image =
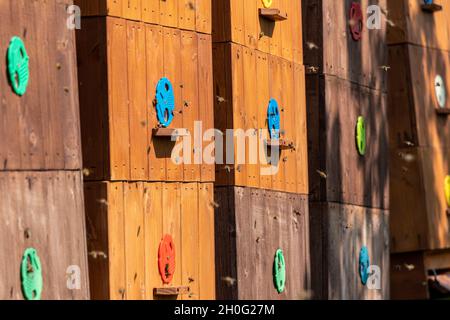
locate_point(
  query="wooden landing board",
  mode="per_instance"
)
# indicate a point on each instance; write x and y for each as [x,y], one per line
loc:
[241,104]
[117,99]
[43,210]
[337,172]
[253,225]
[338,233]
[41,128]
[130,227]
[193,15]
[241,22]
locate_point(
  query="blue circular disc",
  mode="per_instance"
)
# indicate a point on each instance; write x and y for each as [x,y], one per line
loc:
[273,119]
[165,102]
[364,263]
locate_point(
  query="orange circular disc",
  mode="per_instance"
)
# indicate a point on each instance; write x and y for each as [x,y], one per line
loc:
[166,259]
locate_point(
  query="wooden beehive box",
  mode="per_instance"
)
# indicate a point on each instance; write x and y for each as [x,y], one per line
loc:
[136,194]
[120,65]
[251,225]
[273,30]
[420,146]
[126,222]
[258,57]
[41,206]
[346,79]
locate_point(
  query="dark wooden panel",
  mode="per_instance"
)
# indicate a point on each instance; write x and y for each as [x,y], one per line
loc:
[326,33]
[41,127]
[338,173]
[408,276]
[93,83]
[338,234]
[43,210]
[261,221]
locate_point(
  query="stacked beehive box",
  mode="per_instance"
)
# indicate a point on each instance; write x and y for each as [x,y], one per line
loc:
[419,120]
[348,159]
[257,49]
[137,197]
[41,205]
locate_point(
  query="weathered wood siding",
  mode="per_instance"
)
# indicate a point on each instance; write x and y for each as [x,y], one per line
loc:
[126,223]
[41,203]
[349,193]
[251,224]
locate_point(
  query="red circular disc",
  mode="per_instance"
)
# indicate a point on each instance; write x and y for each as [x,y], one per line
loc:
[166,259]
[356,21]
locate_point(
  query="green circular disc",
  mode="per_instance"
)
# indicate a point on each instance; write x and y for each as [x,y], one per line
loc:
[279,271]
[31,275]
[18,66]
[361,136]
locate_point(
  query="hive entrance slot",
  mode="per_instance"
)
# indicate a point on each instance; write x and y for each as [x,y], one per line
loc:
[431,8]
[272,14]
[171,291]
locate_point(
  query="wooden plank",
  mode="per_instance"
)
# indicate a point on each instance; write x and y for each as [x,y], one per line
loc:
[150,11]
[223,108]
[153,219]
[172,225]
[239,111]
[275,40]
[225,244]
[172,67]
[203,18]
[206,253]
[155,58]
[186,14]
[93,80]
[190,257]
[132,9]
[287,36]
[262,101]
[276,92]
[95,197]
[168,13]
[245,254]
[118,100]
[206,101]
[190,103]
[134,240]
[137,88]
[296,27]
[250,118]
[250,27]
[12,255]
[300,136]
[117,245]
[69,107]
[237,22]
[264,30]
[289,126]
